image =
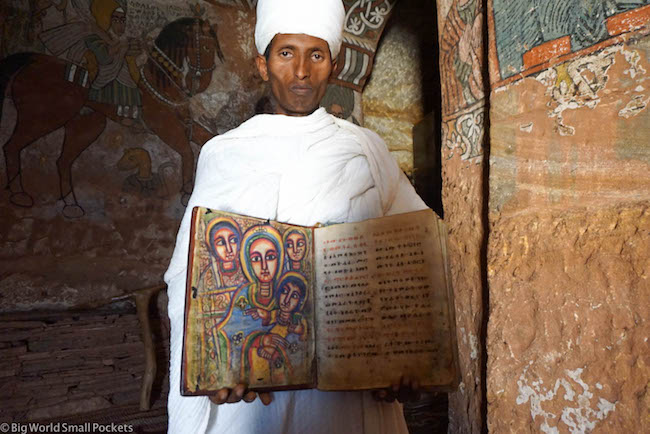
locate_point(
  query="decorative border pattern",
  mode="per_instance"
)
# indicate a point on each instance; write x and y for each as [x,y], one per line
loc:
[365,21]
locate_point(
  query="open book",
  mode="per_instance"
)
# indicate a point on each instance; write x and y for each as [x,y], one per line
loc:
[343,307]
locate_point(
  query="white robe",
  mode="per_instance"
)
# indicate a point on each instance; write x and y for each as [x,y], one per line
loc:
[299,170]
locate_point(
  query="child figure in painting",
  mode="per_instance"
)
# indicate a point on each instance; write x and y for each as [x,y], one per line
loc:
[273,355]
[295,243]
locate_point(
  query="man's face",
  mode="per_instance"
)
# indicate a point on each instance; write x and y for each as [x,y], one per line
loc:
[298,69]
[264,259]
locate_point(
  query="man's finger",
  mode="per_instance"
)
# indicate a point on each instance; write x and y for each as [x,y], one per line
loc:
[403,390]
[266,398]
[221,396]
[379,395]
[236,394]
[250,396]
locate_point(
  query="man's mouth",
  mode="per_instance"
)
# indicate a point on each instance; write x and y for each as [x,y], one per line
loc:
[301,89]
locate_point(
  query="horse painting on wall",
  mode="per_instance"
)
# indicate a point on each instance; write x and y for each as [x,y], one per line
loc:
[96,77]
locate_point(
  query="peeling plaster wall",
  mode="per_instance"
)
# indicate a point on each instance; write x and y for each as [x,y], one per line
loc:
[569,238]
[460,24]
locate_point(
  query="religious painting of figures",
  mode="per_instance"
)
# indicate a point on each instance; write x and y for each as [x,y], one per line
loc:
[249,312]
[342,307]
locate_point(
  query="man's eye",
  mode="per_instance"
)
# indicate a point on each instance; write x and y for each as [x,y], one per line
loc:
[284,54]
[317,56]
[271,256]
[256,258]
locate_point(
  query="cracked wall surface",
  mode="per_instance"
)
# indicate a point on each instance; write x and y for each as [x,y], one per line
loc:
[569,239]
[460,24]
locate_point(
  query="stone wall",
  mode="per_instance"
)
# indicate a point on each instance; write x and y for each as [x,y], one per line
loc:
[402,88]
[56,365]
[569,216]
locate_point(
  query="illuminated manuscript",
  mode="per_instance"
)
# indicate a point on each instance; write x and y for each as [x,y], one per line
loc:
[343,307]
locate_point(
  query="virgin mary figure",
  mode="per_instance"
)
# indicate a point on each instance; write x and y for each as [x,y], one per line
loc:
[262,259]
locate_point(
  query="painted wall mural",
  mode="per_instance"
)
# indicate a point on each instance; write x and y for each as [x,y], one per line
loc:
[364,23]
[569,193]
[104,106]
[461,79]
[531,33]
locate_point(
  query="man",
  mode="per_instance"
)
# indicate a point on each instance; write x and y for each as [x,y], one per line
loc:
[300,165]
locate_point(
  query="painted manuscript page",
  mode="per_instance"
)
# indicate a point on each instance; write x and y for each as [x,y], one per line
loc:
[383,304]
[249,304]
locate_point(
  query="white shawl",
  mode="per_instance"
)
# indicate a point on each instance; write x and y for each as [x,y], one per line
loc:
[299,170]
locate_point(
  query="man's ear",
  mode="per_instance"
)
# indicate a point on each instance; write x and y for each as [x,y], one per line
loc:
[333,68]
[262,67]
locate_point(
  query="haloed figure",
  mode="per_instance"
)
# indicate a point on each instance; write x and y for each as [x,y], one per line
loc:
[223,237]
[262,259]
[224,242]
[295,244]
[218,282]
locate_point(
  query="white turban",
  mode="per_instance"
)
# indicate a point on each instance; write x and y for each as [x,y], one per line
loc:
[320,18]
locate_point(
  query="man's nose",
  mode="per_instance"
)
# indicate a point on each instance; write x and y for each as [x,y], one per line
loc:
[265,265]
[303,68]
[228,248]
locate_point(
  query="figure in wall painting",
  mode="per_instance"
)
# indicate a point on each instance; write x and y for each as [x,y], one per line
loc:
[106,54]
[296,245]
[550,28]
[144,182]
[100,80]
[339,101]
[461,56]
[268,355]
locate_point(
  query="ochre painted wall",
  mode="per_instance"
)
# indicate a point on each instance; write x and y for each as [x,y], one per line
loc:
[569,214]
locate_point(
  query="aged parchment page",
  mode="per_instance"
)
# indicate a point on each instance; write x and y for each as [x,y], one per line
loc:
[383,304]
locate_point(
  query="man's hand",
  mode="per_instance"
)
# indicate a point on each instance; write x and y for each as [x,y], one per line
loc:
[405,390]
[239,392]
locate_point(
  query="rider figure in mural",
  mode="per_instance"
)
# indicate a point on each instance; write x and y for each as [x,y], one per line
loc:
[110,58]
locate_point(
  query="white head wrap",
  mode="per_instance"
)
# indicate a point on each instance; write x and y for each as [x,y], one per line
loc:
[320,18]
